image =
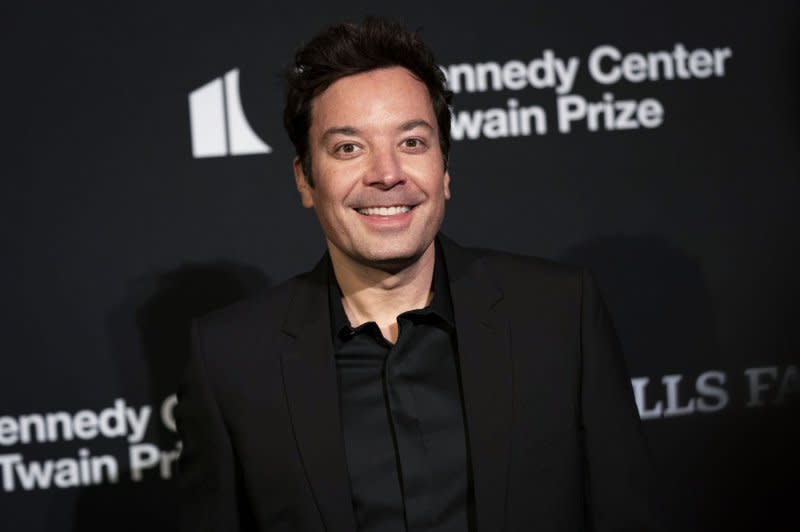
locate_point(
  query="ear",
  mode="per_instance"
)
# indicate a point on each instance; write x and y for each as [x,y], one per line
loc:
[447,185]
[301,182]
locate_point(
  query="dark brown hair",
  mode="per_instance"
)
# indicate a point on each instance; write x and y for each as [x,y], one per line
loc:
[346,49]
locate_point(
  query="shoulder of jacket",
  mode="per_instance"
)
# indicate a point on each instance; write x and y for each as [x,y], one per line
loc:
[264,309]
[520,268]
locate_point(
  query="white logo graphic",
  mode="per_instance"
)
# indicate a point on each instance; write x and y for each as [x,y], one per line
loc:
[219,127]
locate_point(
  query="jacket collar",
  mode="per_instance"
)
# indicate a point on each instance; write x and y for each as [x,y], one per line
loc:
[309,373]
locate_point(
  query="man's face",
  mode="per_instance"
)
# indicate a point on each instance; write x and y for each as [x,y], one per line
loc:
[379,180]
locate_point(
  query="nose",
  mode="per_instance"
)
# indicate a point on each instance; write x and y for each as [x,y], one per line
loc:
[385,170]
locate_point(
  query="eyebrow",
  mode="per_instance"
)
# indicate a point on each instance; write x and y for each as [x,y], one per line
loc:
[413,124]
[344,130]
[350,130]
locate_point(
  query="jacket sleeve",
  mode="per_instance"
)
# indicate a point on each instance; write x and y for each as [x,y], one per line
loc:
[618,468]
[206,468]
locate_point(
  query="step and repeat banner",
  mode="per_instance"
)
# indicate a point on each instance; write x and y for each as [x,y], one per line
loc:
[147,180]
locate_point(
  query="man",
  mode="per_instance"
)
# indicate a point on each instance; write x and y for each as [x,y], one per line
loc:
[405,383]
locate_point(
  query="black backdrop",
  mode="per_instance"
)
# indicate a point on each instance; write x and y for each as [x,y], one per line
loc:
[115,234]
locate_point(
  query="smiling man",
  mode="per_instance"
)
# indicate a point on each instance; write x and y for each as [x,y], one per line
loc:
[379,191]
[405,383]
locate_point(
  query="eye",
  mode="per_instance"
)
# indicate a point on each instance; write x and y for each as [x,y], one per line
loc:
[347,149]
[414,144]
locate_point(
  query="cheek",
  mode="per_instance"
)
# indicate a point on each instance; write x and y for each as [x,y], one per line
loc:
[335,182]
[426,174]
[330,206]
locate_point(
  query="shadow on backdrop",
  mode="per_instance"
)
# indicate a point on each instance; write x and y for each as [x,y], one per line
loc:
[730,470]
[150,335]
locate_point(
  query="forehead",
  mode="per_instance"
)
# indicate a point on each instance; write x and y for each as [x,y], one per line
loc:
[381,97]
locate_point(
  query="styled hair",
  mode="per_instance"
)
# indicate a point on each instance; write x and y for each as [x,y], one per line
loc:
[347,49]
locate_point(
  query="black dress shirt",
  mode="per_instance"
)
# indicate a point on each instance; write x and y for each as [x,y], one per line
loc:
[402,417]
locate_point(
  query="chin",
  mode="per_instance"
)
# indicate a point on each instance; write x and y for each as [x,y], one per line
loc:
[394,257]
[387,251]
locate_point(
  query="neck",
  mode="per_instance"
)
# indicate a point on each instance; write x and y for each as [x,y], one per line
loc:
[373,294]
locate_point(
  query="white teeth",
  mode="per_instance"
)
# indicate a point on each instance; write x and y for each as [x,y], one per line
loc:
[384,211]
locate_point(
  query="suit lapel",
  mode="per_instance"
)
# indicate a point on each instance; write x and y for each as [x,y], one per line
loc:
[309,374]
[486,378]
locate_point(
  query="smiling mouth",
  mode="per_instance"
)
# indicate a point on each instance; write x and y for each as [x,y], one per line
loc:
[384,211]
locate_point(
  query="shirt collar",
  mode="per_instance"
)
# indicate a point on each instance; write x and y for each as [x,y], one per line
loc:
[441,305]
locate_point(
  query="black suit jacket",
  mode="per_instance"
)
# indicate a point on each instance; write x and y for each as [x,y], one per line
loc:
[553,434]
